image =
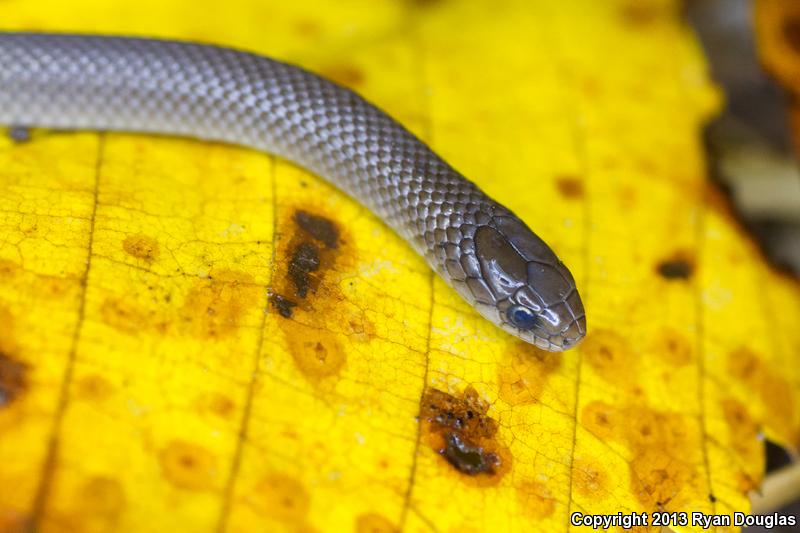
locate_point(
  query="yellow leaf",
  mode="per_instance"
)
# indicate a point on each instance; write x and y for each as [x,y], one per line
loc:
[149,380]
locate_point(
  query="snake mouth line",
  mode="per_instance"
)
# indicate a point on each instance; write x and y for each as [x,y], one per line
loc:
[569,337]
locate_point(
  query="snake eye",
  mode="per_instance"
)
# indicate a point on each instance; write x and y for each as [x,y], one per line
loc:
[521,317]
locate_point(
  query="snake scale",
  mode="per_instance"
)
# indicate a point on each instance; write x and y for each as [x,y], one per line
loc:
[482,249]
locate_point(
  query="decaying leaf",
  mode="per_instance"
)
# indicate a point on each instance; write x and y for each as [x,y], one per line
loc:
[196,336]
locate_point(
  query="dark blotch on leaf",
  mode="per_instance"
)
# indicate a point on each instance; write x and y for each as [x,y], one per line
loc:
[283,305]
[791,32]
[467,415]
[675,269]
[13,379]
[467,458]
[570,187]
[459,429]
[305,260]
[320,228]
[344,74]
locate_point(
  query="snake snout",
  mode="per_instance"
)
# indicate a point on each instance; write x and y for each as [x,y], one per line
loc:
[534,293]
[572,319]
[574,333]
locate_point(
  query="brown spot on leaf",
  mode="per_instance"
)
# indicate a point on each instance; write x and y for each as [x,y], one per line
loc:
[13,379]
[283,305]
[374,523]
[570,187]
[7,342]
[536,499]
[304,261]
[282,497]
[657,478]
[189,466]
[94,387]
[216,306]
[661,475]
[315,314]
[746,483]
[744,365]
[600,419]
[778,398]
[344,74]
[611,356]
[424,3]
[673,347]
[13,373]
[122,314]
[311,252]
[742,428]
[645,430]
[773,389]
[675,269]
[319,228]
[589,477]
[656,439]
[307,28]
[627,197]
[359,327]
[523,381]
[141,246]
[466,414]
[8,269]
[680,265]
[791,32]
[217,404]
[102,497]
[639,12]
[222,405]
[304,527]
[29,228]
[319,356]
[317,352]
[467,458]
[464,435]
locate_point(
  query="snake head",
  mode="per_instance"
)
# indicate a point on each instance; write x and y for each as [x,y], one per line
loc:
[524,288]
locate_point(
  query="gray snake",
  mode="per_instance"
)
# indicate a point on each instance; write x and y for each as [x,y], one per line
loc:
[484,251]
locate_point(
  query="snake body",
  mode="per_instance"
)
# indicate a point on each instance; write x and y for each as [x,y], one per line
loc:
[208,92]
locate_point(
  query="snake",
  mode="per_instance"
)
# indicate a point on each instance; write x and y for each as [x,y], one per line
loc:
[207,92]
